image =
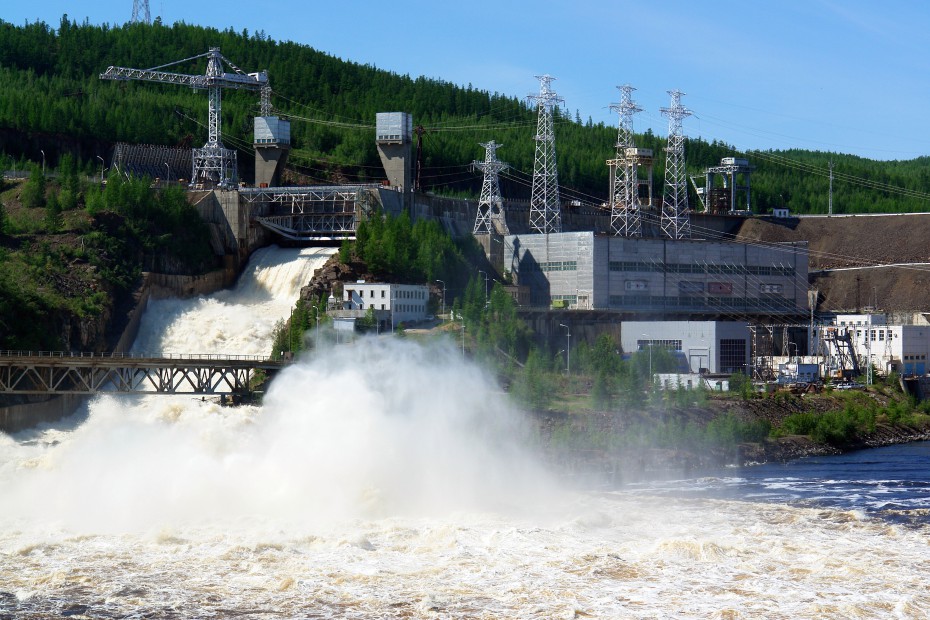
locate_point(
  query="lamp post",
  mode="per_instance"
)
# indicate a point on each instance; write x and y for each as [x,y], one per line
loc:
[43,163]
[568,349]
[443,297]
[485,286]
[650,356]
[168,168]
[461,318]
[102,164]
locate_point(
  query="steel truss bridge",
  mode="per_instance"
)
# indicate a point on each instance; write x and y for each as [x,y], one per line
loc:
[50,372]
[321,213]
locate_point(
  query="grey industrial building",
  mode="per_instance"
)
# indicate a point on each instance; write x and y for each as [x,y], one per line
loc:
[659,277]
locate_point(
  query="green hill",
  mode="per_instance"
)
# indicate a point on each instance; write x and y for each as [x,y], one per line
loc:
[53,101]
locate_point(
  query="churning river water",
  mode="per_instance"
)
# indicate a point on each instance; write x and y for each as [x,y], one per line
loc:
[387,479]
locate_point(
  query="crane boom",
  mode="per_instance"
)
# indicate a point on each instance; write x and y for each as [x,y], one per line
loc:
[253,81]
[213,162]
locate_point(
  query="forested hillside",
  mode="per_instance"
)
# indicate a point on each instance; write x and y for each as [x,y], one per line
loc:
[52,100]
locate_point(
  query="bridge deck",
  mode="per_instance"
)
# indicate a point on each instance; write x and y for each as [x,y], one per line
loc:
[51,372]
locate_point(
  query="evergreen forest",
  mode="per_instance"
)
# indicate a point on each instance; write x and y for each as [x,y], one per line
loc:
[53,103]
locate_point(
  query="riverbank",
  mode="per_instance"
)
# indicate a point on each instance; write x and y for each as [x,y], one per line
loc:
[726,430]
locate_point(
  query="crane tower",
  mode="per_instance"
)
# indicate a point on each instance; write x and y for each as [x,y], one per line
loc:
[213,164]
[676,221]
[490,205]
[545,210]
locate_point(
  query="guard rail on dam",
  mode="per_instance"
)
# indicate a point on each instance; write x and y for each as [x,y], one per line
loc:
[51,372]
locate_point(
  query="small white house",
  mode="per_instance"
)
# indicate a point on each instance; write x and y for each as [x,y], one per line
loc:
[393,303]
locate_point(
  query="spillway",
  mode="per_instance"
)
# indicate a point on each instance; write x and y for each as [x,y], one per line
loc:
[389,479]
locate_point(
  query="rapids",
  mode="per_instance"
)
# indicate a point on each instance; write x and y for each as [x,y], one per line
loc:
[387,479]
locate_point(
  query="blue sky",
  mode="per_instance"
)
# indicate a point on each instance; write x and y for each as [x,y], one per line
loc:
[848,76]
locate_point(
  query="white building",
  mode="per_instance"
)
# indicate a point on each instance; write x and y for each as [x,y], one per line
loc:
[890,348]
[714,346]
[691,381]
[393,303]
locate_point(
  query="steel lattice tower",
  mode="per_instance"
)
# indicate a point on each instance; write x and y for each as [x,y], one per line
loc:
[140,11]
[624,195]
[676,222]
[490,205]
[545,210]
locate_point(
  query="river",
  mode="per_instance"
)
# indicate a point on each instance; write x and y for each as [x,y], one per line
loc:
[387,479]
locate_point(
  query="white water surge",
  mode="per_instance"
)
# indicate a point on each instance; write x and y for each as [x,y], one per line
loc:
[391,480]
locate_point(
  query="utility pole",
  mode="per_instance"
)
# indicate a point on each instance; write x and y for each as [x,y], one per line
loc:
[443,297]
[830,203]
[486,295]
[140,11]
[625,219]
[461,318]
[568,349]
[545,208]
[490,205]
[676,222]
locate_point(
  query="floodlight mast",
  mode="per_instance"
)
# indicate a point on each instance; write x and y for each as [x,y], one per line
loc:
[214,163]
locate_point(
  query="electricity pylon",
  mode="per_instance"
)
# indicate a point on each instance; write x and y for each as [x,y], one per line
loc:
[625,219]
[676,221]
[545,210]
[490,205]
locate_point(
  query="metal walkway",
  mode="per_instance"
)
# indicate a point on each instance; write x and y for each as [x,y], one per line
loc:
[319,213]
[50,372]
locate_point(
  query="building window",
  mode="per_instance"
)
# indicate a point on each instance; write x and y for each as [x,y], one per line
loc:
[382,293]
[669,345]
[733,355]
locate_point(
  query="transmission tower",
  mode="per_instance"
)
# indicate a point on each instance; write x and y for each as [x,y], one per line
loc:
[676,222]
[140,11]
[490,205]
[545,210]
[625,220]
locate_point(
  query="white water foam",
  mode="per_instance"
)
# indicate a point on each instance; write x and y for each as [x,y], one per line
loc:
[239,321]
[388,479]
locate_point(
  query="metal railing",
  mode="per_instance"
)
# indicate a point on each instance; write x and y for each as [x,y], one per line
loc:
[220,357]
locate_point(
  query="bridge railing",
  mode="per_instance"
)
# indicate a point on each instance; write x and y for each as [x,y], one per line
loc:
[139,356]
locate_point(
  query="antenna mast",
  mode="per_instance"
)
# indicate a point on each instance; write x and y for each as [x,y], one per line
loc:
[676,222]
[625,220]
[545,210]
[490,205]
[140,11]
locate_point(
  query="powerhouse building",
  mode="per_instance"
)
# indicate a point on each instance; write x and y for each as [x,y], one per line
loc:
[660,277]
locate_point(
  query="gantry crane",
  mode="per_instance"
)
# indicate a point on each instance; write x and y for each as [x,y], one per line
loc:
[213,164]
